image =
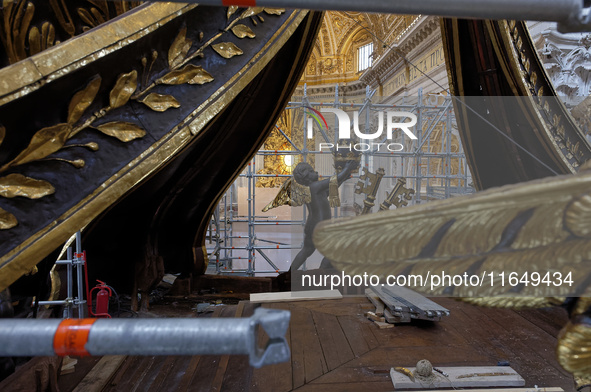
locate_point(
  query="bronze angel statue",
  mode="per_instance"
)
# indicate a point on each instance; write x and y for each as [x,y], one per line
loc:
[318,195]
[538,234]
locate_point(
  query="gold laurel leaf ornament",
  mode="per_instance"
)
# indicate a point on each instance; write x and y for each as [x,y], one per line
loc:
[231,10]
[179,49]
[82,100]
[123,90]
[192,74]
[251,11]
[274,11]
[227,49]
[45,142]
[7,220]
[14,185]
[243,31]
[160,102]
[123,131]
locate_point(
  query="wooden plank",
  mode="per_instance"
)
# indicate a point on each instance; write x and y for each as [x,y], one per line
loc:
[308,361]
[551,320]
[236,284]
[528,348]
[167,365]
[140,381]
[360,338]
[240,376]
[209,365]
[132,373]
[346,387]
[393,319]
[382,325]
[100,374]
[374,317]
[334,344]
[189,374]
[376,301]
[275,378]
[216,385]
[539,389]
[120,373]
[291,296]
[461,377]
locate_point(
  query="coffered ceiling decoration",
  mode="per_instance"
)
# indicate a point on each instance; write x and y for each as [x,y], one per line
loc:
[334,58]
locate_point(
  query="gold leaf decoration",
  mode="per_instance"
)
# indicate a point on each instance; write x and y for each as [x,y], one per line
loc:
[274,11]
[86,17]
[227,49]
[190,73]
[45,142]
[34,41]
[7,220]
[123,131]
[574,349]
[14,185]
[63,16]
[21,35]
[533,78]
[77,163]
[179,49]
[231,10]
[82,100]
[251,11]
[39,41]
[160,102]
[578,216]
[2,133]
[242,31]
[123,90]
[515,302]
[201,78]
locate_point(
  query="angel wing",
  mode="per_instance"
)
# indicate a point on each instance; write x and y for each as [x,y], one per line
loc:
[291,193]
[541,226]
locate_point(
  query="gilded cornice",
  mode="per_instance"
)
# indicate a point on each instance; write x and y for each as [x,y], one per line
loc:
[34,72]
[385,65]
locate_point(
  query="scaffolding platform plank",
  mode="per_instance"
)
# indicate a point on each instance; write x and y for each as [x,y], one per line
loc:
[461,377]
[405,304]
[290,296]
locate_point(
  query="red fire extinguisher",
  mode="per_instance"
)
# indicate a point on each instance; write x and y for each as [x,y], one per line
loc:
[102,300]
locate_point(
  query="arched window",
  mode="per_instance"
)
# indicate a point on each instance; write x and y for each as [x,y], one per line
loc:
[364,56]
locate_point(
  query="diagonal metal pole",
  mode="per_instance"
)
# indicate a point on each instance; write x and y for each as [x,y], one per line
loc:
[165,336]
[571,15]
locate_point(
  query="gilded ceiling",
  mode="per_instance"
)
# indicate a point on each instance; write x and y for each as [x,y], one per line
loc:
[334,57]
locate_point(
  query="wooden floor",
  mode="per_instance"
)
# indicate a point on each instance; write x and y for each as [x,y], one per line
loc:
[334,348]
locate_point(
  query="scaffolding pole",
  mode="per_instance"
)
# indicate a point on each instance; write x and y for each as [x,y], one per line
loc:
[427,165]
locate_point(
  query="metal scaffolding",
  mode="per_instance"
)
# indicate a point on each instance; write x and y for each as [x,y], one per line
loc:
[434,165]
